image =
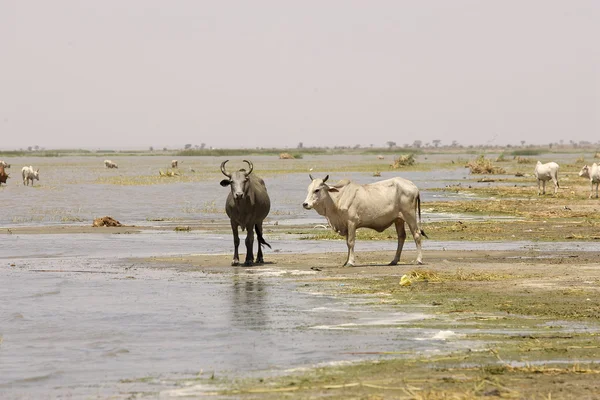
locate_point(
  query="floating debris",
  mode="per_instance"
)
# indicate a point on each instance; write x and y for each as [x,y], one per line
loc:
[106,221]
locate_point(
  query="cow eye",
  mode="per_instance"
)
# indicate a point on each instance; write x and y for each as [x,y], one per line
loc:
[317,190]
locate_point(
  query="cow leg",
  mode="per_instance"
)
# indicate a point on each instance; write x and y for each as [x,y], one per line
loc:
[401,231]
[236,244]
[543,187]
[539,191]
[350,239]
[555,181]
[249,243]
[411,220]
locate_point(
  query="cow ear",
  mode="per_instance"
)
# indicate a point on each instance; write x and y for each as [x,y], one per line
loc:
[332,189]
[225,182]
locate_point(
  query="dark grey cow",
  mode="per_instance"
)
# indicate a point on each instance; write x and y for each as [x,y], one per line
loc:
[247,205]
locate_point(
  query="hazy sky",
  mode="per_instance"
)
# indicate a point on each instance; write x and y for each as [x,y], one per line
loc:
[140,73]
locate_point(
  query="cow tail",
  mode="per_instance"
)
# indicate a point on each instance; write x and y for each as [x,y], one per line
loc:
[261,240]
[419,209]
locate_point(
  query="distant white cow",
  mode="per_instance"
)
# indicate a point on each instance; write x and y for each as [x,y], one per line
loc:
[174,163]
[545,172]
[593,173]
[29,174]
[4,164]
[349,206]
[110,164]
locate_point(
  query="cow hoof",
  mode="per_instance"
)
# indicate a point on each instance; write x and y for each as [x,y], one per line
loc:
[419,262]
[248,264]
[235,263]
[260,261]
[393,263]
[348,265]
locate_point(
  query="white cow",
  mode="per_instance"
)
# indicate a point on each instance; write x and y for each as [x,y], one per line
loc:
[349,206]
[110,164]
[29,174]
[174,163]
[545,172]
[593,173]
[4,164]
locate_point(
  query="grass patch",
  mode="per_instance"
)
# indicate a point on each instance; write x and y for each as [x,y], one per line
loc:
[483,165]
[527,152]
[403,160]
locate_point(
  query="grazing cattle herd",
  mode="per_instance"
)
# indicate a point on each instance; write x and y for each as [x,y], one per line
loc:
[346,205]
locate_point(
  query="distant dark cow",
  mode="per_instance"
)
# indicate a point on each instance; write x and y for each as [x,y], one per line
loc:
[3,175]
[247,205]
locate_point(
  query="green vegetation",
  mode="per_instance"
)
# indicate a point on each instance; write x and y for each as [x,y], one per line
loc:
[527,152]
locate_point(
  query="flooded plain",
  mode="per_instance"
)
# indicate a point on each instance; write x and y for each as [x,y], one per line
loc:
[82,317]
[75,190]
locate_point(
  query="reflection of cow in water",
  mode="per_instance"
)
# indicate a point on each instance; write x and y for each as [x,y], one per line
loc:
[249,305]
[247,205]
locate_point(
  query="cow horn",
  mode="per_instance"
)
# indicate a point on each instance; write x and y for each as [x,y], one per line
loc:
[223,169]
[325,180]
[249,166]
[311,177]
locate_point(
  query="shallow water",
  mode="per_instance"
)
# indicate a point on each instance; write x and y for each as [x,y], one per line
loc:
[74,190]
[91,327]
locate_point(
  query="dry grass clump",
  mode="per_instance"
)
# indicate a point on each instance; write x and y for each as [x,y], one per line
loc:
[424,275]
[523,160]
[403,160]
[286,156]
[597,155]
[580,160]
[501,158]
[484,165]
[168,173]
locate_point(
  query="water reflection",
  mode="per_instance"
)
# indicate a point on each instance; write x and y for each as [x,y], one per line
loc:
[249,305]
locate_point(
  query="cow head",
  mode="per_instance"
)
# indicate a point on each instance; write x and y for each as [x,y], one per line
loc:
[36,174]
[237,180]
[585,172]
[317,191]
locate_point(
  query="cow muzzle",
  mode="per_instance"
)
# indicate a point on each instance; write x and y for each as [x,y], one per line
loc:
[306,206]
[238,195]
